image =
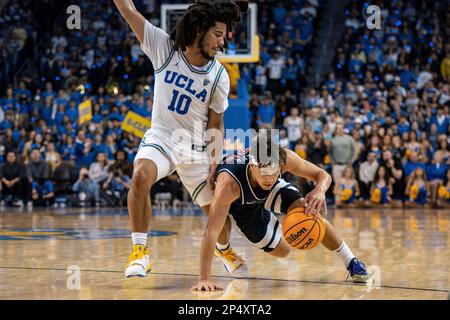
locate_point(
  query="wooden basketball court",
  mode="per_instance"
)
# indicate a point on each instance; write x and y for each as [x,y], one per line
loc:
[81,254]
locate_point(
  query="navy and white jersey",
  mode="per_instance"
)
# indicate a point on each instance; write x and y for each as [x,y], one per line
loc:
[253,212]
[238,166]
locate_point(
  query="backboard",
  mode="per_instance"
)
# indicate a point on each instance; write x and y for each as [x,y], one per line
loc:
[244,45]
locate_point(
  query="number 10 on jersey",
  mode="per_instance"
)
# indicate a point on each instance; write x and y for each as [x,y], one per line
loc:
[180,103]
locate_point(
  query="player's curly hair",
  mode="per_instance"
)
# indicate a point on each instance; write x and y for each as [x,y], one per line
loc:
[202,16]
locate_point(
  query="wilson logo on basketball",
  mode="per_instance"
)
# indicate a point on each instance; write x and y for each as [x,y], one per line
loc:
[294,236]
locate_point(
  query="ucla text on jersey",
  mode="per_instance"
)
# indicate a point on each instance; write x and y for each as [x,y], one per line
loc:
[184,82]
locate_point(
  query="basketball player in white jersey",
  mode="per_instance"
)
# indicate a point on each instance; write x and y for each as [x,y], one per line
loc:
[191,91]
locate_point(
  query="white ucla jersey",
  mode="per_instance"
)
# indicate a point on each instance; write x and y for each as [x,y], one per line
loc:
[183,93]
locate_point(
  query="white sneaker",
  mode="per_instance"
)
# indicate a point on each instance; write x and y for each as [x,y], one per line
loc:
[232,262]
[138,262]
[30,205]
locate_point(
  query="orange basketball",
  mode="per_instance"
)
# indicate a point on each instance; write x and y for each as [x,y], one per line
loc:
[302,231]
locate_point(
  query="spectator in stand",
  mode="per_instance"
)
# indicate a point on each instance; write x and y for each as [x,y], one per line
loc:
[346,189]
[394,170]
[61,176]
[302,146]
[444,192]
[294,125]
[367,171]
[417,189]
[37,168]
[441,120]
[14,181]
[275,67]
[413,163]
[87,190]
[121,164]
[283,138]
[316,149]
[311,99]
[436,172]
[342,152]
[266,114]
[412,145]
[51,156]
[381,188]
[326,101]
[85,153]
[260,78]
[290,75]
[445,67]
[374,147]
[43,193]
[98,171]
[68,149]
[110,146]
[444,148]
[115,188]
[313,120]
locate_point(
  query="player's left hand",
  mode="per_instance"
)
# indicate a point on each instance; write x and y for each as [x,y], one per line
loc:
[206,285]
[316,203]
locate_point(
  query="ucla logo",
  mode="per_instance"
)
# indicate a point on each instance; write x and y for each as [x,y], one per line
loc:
[71,234]
[184,82]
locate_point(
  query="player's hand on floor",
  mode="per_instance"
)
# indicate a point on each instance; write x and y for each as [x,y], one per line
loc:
[206,286]
[316,203]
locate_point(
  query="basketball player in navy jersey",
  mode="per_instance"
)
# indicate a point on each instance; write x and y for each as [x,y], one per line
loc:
[249,190]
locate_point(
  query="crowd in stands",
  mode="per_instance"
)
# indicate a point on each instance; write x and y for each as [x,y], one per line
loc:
[379,123]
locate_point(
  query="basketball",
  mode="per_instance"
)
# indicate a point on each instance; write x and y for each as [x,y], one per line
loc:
[302,231]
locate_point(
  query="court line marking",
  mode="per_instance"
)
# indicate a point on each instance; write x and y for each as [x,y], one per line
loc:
[244,278]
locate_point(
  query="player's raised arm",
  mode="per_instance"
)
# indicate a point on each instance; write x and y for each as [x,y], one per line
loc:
[227,191]
[316,199]
[155,42]
[134,19]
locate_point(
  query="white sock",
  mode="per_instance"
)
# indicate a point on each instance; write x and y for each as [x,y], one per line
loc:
[344,253]
[222,247]
[139,238]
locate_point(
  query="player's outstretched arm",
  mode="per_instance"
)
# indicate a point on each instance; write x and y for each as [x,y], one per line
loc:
[134,19]
[227,191]
[315,200]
